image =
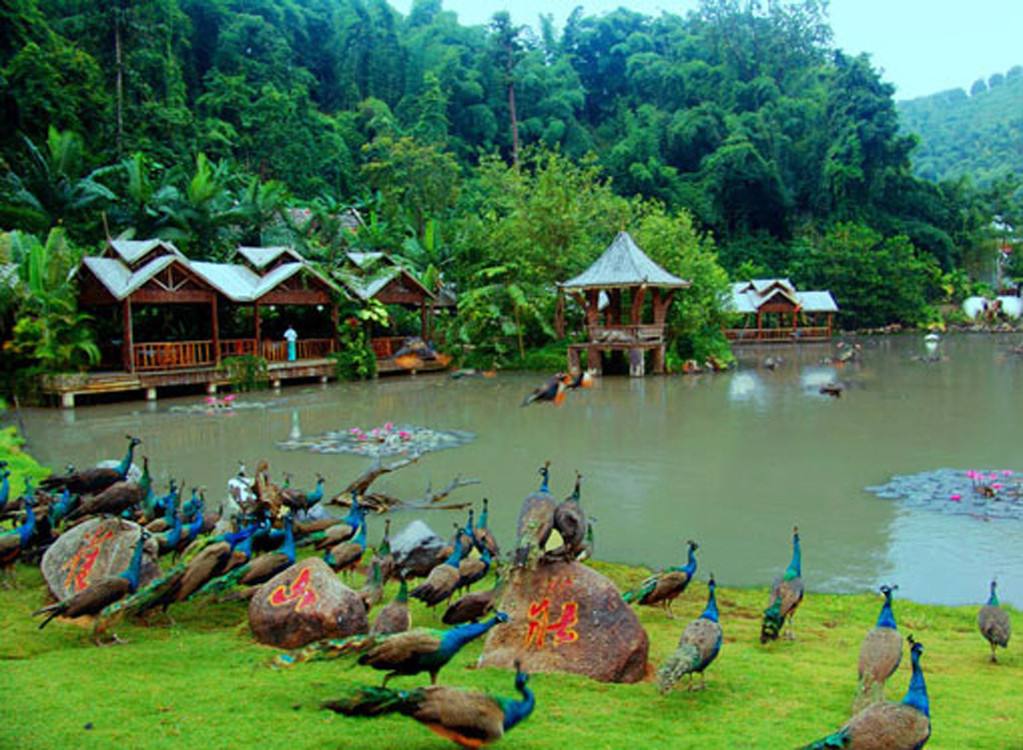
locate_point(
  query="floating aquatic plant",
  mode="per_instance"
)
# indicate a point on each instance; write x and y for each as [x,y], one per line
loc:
[386,440]
[970,492]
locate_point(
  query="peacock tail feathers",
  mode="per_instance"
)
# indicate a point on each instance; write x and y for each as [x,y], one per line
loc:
[376,701]
[326,649]
[773,621]
[839,739]
[684,661]
[644,589]
[222,584]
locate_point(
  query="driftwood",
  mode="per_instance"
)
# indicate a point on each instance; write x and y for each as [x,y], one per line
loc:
[381,502]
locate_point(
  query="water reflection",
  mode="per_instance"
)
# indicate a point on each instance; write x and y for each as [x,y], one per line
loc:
[664,458]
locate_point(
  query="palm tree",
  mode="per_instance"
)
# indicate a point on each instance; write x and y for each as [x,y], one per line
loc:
[55,187]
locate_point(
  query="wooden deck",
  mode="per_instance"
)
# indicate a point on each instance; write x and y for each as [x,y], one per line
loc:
[777,335]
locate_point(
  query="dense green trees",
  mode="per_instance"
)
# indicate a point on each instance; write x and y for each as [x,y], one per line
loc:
[495,158]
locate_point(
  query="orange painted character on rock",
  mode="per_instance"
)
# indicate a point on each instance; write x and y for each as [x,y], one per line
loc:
[561,631]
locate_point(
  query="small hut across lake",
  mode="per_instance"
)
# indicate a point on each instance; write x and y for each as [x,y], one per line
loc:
[774,310]
[613,293]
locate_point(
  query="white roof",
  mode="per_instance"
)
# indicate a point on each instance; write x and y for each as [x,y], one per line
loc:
[365,259]
[263,256]
[237,282]
[623,264]
[132,250]
[750,296]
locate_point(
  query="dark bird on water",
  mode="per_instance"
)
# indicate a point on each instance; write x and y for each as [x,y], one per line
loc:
[470,719]
[994,623]
[786,595]
[552,391]
[888,725]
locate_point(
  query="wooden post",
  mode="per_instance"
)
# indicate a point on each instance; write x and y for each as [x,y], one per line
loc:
[637,366]
[614,310]
[636,312]
[215,319]
[658,360]
[829,325]
[559,314]
[128,345]
[422,321]
[795,322]
[759,328]
[257,325]
[593,360]
[335,322]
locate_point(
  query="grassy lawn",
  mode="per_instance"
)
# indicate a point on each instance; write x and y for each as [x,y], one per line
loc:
[202,682]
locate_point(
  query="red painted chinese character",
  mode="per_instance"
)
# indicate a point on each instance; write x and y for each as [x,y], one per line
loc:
[299,591]
[79,565]
[540,625]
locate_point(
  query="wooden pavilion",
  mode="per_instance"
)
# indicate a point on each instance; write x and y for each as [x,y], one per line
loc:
[378,277]
[774,310]
[128,274]
[613,293]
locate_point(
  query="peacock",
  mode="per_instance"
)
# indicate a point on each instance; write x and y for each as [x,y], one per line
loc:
[169,506]
[470,719]
[552,390]
[786,594]
[115,498]
[347,555]
[96,479]
[887,725]
[536,520]
[339,531]
[472,570]
[5,485]
[482,535]
[880,654]
[14,541]
[395,616]
[473,607]
[409,653]
[697,648]
[167,540]
[95,597]
[372,592]
[994,623]
[443,579]
[257,570]
[191,532]
[60,507]
[570,522]
[298,500]
[383,555]
[665,587]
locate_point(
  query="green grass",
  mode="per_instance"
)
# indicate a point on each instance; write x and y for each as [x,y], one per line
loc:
[21,465]
[202,682]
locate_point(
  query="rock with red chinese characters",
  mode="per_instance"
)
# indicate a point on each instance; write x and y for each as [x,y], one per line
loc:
[93,550]
[566,617]
[305,603]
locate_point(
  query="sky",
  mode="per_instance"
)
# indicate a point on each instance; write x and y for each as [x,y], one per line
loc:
[922,46]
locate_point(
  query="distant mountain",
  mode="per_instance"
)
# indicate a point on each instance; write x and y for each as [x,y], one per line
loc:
[979,134]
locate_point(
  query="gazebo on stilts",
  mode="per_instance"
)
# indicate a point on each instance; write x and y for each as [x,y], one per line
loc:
[613,293]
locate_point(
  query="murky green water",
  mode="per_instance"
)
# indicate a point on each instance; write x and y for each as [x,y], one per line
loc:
[731,460]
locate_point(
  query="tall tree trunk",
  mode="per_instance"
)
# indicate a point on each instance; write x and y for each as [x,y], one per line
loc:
[514,121]
[120,79]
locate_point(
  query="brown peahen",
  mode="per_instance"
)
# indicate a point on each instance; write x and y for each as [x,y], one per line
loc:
[395,616]
[470,719]
[698,646]
[443,579]
[475,606]
[994,623]
[887,725]
[536,520]
[570,522]
[482,535]
[116,498]
[880,654]
[786,595]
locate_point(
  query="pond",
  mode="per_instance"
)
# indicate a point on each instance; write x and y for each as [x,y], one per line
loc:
[731,460]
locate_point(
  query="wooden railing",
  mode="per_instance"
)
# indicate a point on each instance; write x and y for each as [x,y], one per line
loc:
[648,333]
[277,351]
[777,334]
[170,355]
[237,347]
[385,346]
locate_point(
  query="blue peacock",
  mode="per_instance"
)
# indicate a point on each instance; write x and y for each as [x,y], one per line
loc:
[786,595]
[697,648]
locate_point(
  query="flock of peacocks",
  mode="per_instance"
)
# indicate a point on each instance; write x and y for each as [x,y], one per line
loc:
[228,558]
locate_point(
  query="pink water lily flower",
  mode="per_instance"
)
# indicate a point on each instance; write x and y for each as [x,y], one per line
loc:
[388,426]
[956,497]
[996,486]
[1006,473]
[404,435]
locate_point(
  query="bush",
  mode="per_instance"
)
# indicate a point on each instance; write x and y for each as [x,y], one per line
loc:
[551,358]
[247,372]
[356,359]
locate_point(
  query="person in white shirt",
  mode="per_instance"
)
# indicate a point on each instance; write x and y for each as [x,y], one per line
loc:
[291,337]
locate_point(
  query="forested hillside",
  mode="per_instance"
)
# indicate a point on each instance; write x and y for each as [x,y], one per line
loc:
[493,158]
[979,135]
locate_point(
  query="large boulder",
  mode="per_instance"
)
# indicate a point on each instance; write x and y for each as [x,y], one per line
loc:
[416,550]
[566,617]
[93,550]
[305,603]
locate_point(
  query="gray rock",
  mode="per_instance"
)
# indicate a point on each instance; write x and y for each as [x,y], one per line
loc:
[416,549]
[93,550]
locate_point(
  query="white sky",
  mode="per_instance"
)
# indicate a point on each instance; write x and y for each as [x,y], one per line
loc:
[923,46]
